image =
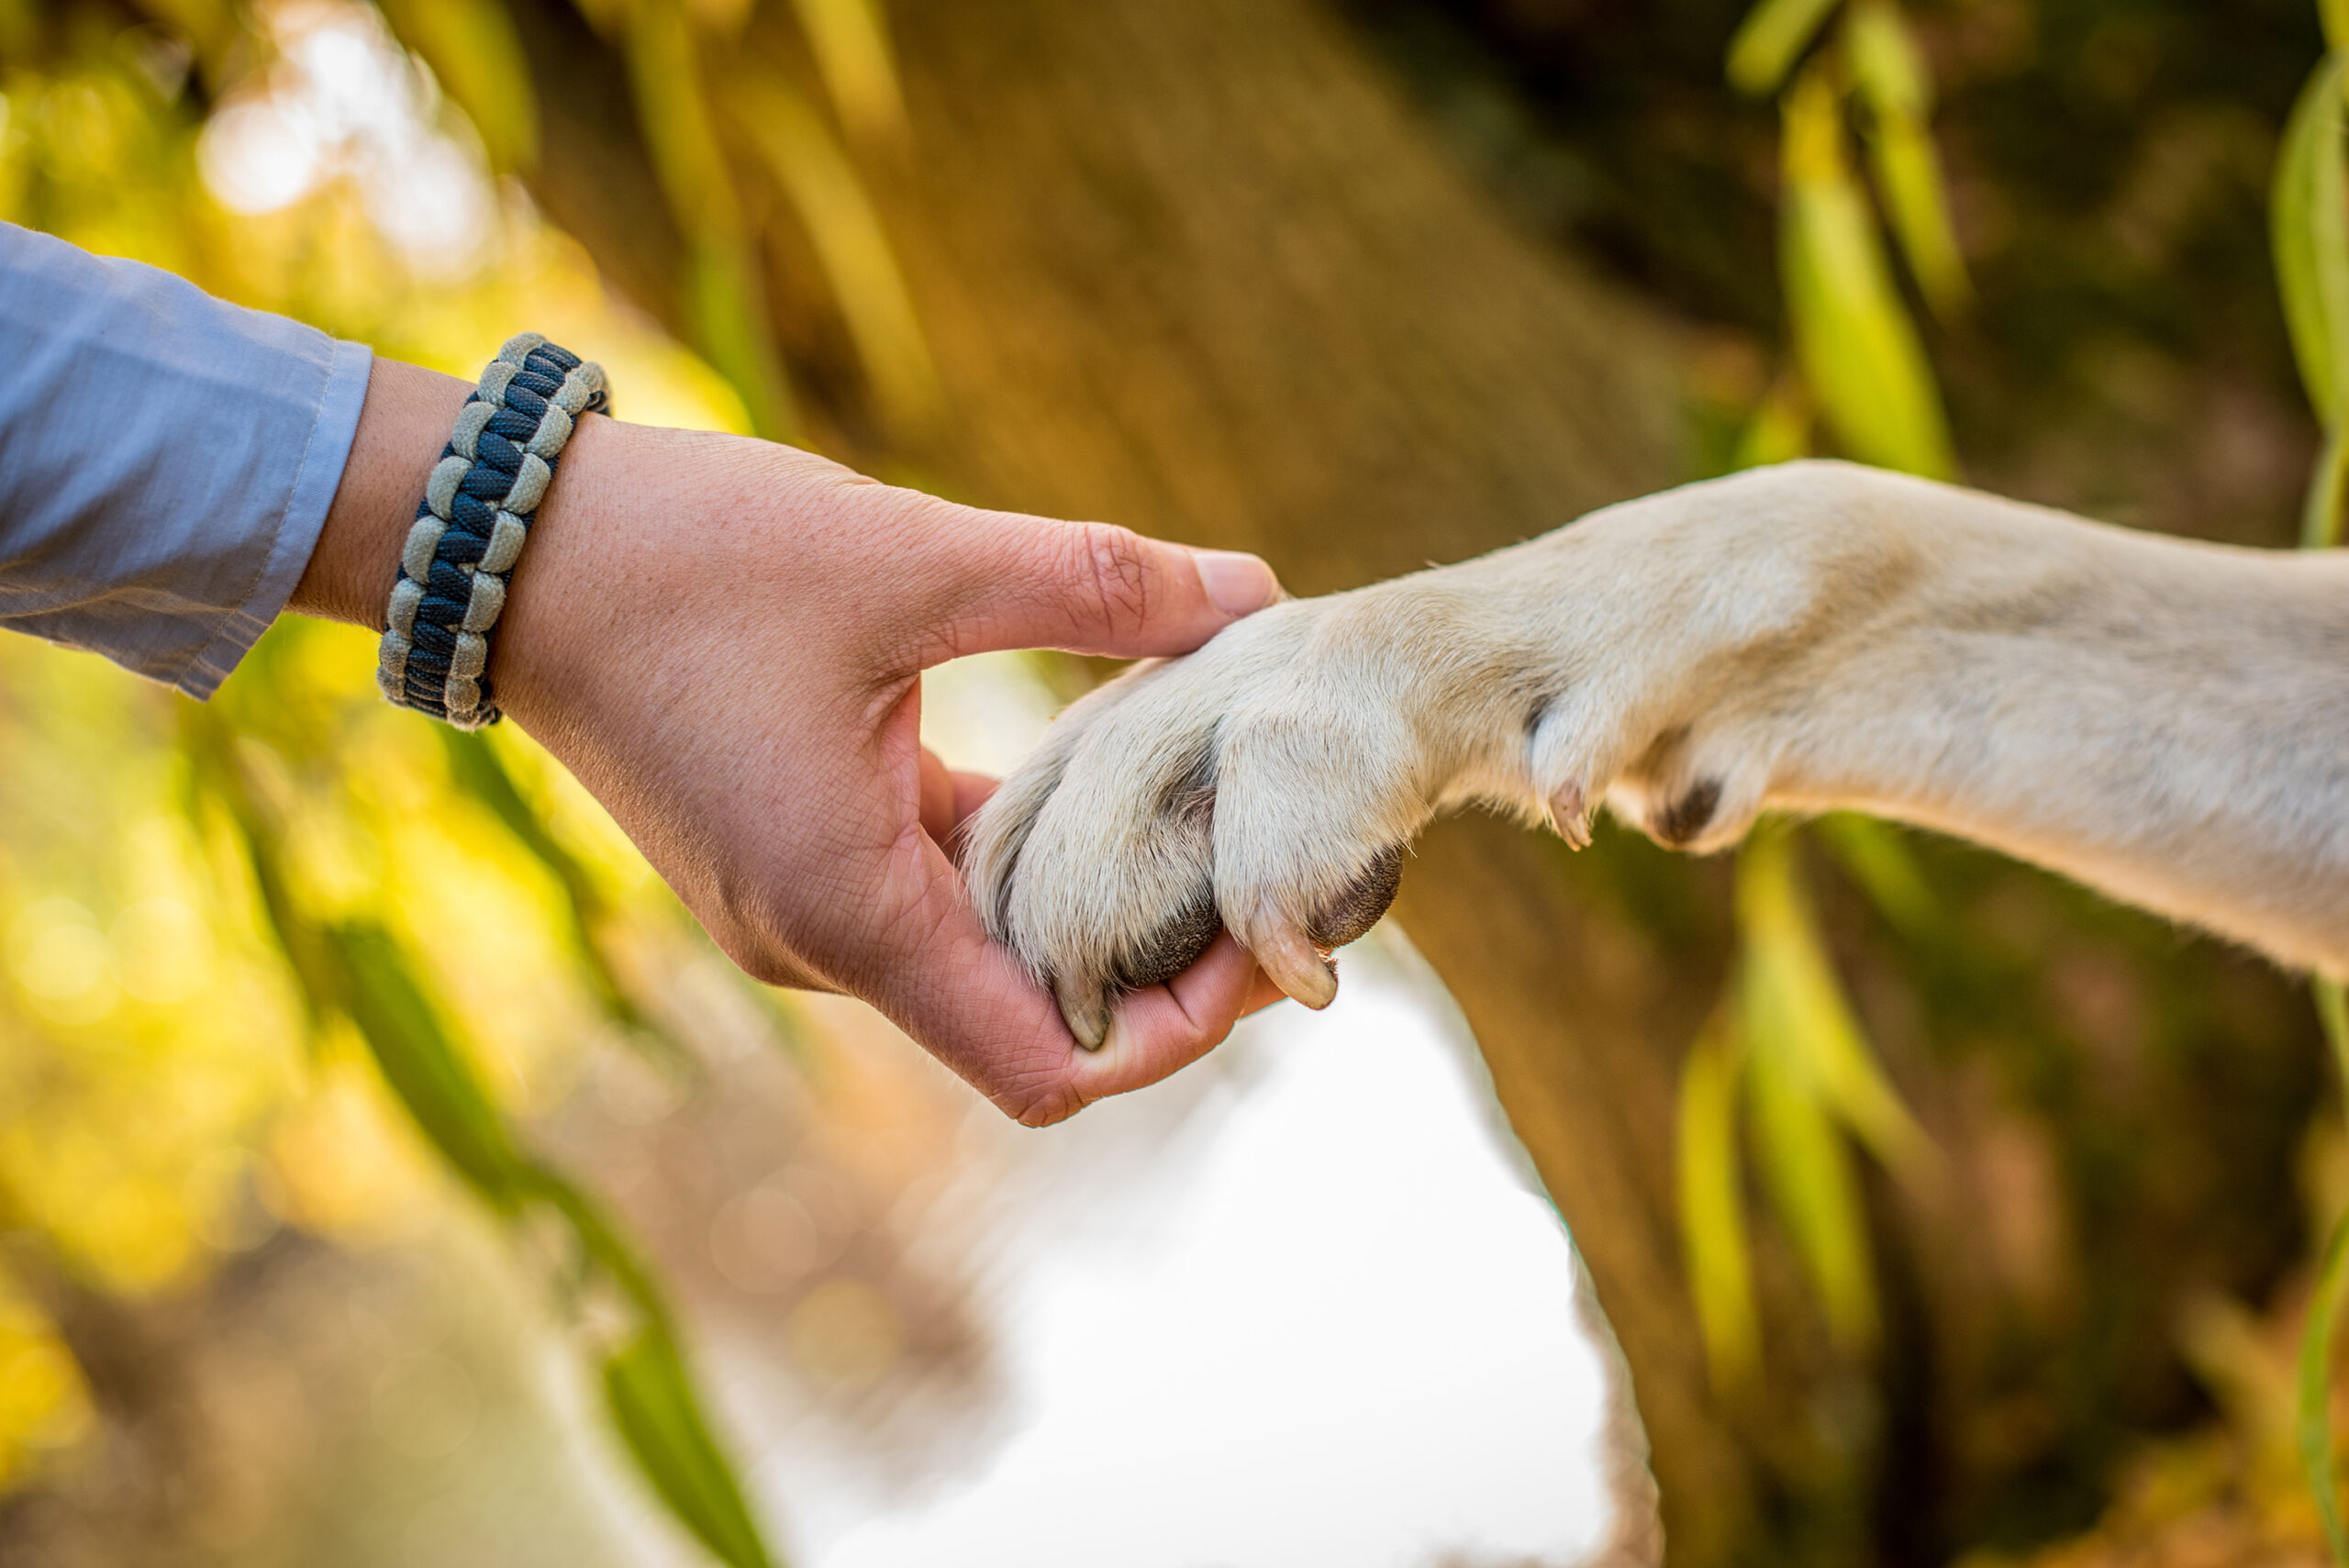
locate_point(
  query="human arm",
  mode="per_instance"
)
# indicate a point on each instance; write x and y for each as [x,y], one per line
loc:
[723,639]
[169,459]
[704,626]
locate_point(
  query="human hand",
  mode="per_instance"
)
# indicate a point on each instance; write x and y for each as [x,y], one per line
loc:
[723,639]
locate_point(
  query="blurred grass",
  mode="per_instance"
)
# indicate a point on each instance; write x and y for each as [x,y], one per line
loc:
[2310,229]
[1788,1037]
[1857,347]
[212,914]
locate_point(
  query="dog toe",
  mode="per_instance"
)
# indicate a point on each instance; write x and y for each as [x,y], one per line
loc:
[1354,911]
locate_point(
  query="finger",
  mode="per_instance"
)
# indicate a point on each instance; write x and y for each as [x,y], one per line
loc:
[936,808]
[913,946]
[927,962]
[1262,994]
[1021,582]
[1161,1029]
[971,792]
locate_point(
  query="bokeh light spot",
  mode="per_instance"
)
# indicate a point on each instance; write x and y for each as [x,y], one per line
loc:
[844,1332]
[161,950]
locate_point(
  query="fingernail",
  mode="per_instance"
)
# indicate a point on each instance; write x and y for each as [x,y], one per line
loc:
[1239,584]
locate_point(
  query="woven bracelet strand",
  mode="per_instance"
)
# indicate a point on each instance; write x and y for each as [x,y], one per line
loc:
[471,524]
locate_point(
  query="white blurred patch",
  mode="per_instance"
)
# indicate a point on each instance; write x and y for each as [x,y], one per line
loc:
[260,154]
[985,713]
[1347,1335]
[343,101]
[1303,1306]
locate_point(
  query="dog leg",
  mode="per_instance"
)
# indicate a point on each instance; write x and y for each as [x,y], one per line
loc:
[2166,720]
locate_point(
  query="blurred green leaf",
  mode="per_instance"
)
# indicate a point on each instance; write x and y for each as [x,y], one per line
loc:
[1876,856]
[1811,1077]
[476,769]
[1806,1169]
[1884,61]
[652,1403]
[727,301]
[2333,1012]
[2309,231]
[2328,496]
[206,743]
[471,48]
[851,42]
[1792,995]
[2315,1402]
[2334,14]
[1859,349]
[1893,82]
[665,78]
[600,1242]
[422,1064]
[1712,1206]
[725,297]
[1770,39]
[649,1390]
[850,244]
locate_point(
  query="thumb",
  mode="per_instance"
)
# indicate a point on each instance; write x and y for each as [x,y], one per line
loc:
[1022,581]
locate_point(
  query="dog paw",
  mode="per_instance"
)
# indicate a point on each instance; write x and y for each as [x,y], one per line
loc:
[1269,783]
[1232,789]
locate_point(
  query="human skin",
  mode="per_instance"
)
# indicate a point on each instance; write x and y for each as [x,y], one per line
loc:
[723,639]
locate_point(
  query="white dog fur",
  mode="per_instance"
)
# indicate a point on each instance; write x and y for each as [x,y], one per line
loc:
[2166,720]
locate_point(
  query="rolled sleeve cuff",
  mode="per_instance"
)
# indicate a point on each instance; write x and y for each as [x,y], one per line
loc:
[317,477]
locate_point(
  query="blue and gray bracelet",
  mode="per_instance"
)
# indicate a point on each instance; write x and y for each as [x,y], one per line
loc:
[471,524]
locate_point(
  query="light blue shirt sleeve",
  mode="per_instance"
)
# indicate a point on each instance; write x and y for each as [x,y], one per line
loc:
[166,459]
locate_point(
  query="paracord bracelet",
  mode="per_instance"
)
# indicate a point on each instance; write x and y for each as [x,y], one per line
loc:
[471,524]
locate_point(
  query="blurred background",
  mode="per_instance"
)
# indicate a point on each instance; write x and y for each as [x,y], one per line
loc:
[1942,1212]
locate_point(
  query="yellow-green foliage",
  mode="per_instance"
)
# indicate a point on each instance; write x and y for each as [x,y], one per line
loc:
[2308,218]
[229,930]
[1788,1044]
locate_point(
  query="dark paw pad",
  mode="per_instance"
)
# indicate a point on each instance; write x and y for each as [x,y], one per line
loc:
[1357,910]
[1172,949]
[1691,814]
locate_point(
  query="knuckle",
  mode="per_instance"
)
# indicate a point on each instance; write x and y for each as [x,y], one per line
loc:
[1111,566]
[1036,1086]
[1040,1105]
[1034,1089]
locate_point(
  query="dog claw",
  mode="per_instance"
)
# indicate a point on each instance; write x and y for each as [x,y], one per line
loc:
[1085,1011]
[1298,968]
[1570,814]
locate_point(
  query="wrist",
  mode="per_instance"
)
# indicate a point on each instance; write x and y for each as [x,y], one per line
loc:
[402,427]
[560,598]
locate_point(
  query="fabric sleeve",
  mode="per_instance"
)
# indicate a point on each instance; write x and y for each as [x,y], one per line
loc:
[166,459]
